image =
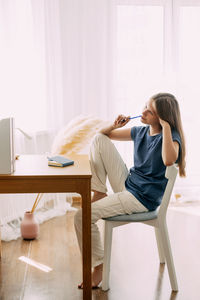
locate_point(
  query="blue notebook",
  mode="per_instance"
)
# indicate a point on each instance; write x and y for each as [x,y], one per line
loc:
[59,161]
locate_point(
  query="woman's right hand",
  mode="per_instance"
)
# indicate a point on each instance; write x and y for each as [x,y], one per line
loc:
[121,121]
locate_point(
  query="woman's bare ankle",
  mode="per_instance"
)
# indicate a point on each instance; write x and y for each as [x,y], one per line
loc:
[99,267]
[97,275]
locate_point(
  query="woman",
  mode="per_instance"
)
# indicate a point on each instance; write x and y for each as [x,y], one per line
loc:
[157,145]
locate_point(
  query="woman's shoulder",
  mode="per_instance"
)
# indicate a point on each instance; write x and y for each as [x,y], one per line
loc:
[138,131]
[140,128]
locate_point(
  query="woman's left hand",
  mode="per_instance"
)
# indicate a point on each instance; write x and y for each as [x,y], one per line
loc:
[163,123]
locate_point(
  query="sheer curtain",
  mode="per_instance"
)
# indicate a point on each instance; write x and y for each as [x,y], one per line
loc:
[31,91]
[55,58]
[86,30]
[187,77]
[157,49]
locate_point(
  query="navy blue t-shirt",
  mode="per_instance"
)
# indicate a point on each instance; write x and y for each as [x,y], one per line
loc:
[146,179]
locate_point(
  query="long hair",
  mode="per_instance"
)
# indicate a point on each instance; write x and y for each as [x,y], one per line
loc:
[167,108]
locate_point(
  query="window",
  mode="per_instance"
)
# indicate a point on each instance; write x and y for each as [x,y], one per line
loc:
[189,45]
[157,49]
[188,74]
[140,53]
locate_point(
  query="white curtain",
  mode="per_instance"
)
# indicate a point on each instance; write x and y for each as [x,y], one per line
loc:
[56,61]
[87,56]
[56,64]
[31,91]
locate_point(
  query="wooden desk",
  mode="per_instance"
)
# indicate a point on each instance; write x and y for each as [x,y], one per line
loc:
[33,175]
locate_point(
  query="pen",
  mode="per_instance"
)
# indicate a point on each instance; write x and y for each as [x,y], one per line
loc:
[135,117]
[131,118]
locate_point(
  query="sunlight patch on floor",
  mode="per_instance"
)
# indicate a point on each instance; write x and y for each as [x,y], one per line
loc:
[35,264]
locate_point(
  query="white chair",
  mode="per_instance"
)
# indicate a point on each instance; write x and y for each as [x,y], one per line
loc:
[157,219]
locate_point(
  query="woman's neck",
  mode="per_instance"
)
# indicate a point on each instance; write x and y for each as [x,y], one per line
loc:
[153,130]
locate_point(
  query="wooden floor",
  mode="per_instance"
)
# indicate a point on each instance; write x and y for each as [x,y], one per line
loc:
[135,269]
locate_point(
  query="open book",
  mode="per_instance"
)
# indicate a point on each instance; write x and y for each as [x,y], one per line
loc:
[59,161]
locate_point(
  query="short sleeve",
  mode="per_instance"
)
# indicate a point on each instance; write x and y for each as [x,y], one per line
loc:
[133,132]
[138,131]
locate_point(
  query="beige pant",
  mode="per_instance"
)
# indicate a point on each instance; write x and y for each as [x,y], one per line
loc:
[106,161]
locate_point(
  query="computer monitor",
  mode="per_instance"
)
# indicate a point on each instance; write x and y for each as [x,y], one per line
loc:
[7,149]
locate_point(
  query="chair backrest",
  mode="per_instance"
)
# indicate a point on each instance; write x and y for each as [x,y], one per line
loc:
[170,174]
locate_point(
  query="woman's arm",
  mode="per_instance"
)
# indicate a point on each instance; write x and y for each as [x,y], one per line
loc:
[170,148]
[113,131]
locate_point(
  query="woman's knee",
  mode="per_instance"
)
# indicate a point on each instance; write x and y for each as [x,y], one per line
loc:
[99,137]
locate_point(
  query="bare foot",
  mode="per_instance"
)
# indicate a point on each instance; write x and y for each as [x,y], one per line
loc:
[98,196]
[96,277]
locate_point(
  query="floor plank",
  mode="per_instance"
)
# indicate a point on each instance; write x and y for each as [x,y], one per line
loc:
[135,269]
[12,271]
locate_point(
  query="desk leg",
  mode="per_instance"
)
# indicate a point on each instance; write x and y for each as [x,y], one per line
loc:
[0,240]
[86,243]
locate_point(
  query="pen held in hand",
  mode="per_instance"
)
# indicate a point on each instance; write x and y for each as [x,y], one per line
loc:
[122,121]
[135,117]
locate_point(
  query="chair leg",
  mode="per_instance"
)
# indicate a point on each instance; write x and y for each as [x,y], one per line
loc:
[107,254]
[159,245]
[168,255]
